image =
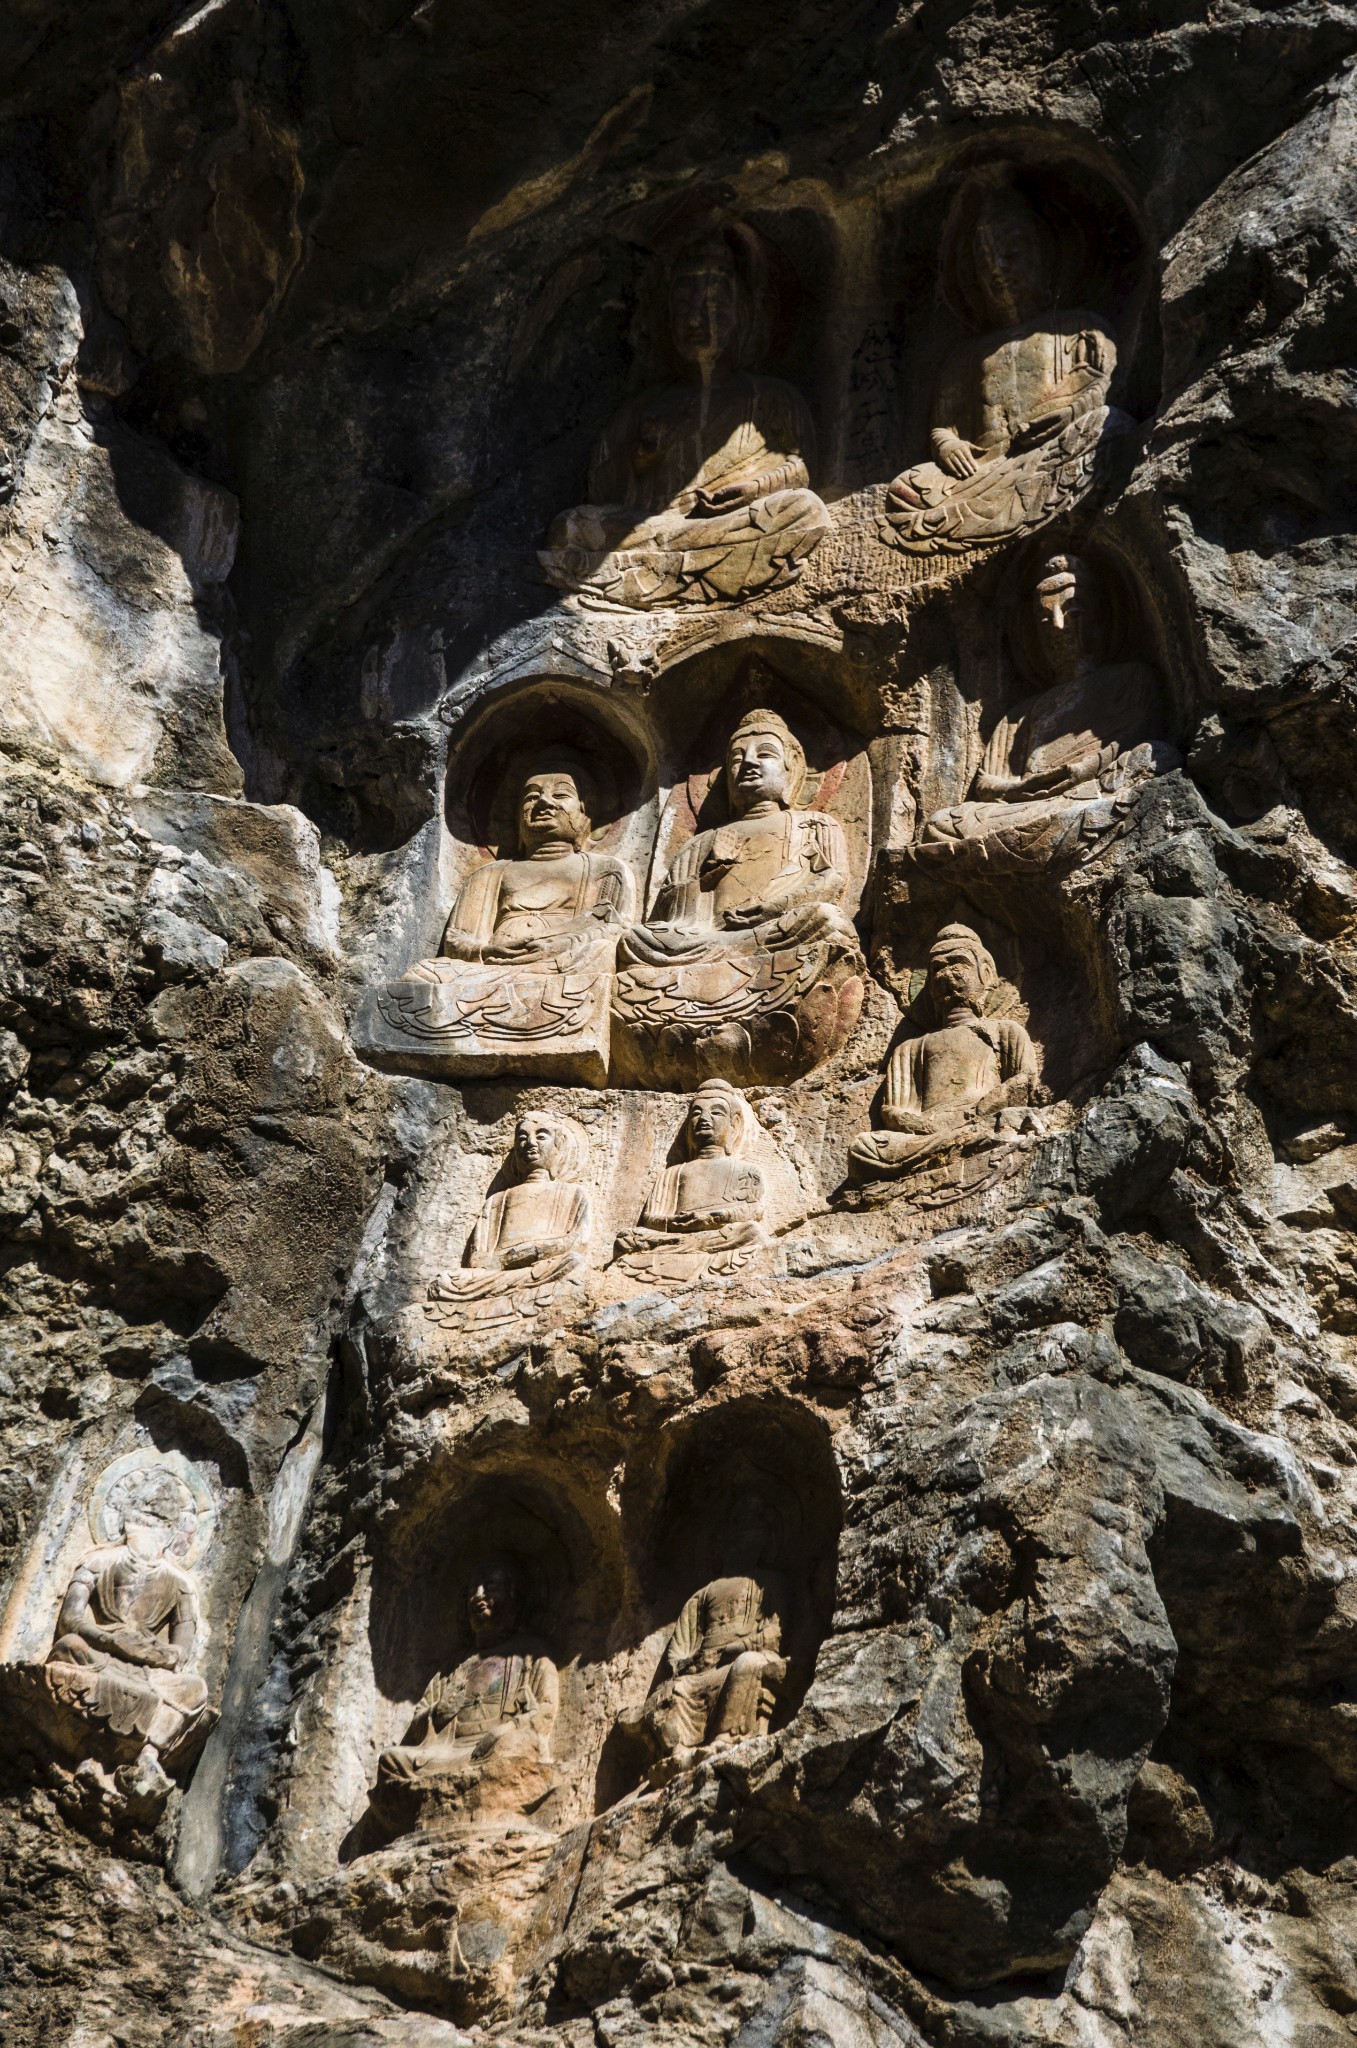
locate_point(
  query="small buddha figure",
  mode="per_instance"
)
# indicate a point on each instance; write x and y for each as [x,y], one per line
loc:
[1019,409]
[480,1741]
[529,1239]
[1061,771]
[749,918]
[964,1084]
[704,1216]
[723,1668]
[127,1635]
[699,490]
[521,983]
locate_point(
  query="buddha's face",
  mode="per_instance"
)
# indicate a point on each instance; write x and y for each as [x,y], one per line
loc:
[954,983]
[704,312]
[757,770]
[709,1122]
[490,1603]
[535,1145]
[1067,623]
[1012,260]
[551,811]
[146,1537]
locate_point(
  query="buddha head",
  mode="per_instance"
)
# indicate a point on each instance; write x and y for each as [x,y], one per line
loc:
[718,1121]
[493,1599]
[1069,623]
[960,973]
[1014,257]
[152,1509]
[765,764]
[716,285]
[546,1147]
[554,810]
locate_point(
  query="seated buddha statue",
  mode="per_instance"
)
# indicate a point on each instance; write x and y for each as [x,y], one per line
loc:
[699,489]
[705,1215]
[963,1085]
[747,924]
[122,1663]
[1019,408]
[480,1740]
[529,1239]
[1061,771]
[521,982]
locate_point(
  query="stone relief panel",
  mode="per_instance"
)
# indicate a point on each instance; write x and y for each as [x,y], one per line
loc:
[528,1252]
[699,488]
[1020,409]
[120,1694]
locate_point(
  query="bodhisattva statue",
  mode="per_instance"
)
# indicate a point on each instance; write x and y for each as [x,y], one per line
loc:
[528,1244]
[122,1667]
[723,1667]
[521,983]
[480,1741]
[705,1216]
[1061,771]
[699,490]
[1019,410]
[749,965]
[961,1088]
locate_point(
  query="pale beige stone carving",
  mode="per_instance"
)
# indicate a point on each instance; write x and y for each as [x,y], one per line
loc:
[522,982]
[723,1666]
[526,1254]
[749,966]
[1061,771]
[1019,410]
[699,490]
[480,1742]
[957,1097]
[703,1217]
[120,1689]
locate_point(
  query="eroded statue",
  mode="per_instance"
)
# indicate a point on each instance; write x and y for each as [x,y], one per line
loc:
[956,1097]
[699,489]
[1020,409]
[704,1217]
[120,1693]
[521,983]
[480,1741]
[1061,771]
[723,1667]
[527,1251]
[750,966]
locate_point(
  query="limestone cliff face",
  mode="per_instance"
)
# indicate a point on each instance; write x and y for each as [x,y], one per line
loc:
[918,1469]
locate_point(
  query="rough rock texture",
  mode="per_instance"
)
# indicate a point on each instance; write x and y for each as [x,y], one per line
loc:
[309,318]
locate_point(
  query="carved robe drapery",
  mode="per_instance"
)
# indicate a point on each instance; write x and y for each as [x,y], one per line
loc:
[136,1600]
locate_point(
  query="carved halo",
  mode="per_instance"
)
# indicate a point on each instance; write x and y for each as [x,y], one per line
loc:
[128,1477]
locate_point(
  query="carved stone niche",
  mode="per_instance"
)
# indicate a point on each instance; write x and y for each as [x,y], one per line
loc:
[747,966]
[543,851]
[736,1516]
[119,1696]
[1042,270]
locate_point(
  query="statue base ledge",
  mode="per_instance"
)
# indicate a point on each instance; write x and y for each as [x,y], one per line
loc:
[415,1027]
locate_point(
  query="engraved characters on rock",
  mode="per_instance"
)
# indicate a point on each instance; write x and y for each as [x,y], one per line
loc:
[956,1097]
[527,1251]
[699,489]
[704,1217]
[1061,770]
[749,965]
[480,1741]
[1019,409]
[522,982]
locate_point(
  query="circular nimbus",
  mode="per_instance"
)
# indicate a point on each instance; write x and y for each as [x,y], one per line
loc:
[161,1486]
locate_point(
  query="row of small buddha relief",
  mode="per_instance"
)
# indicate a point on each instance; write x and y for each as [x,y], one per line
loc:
[960,1107]
[749,965]
[701,490]
[120,1699]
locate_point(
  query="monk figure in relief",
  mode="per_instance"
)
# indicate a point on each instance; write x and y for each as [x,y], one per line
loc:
[704,1216]
[699,491]
[966,1081]
[1019,409]
[529,1238]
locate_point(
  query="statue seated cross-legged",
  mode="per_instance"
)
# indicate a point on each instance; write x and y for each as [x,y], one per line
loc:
[527,1250]
[704,1217]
